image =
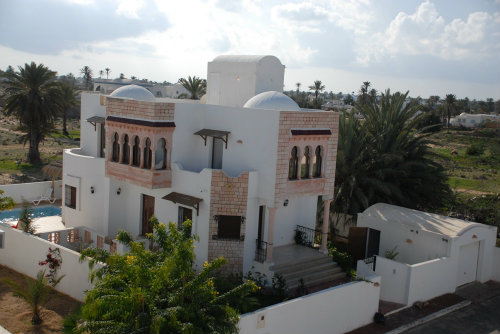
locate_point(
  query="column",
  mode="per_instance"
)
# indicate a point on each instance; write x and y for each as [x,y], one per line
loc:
[270,234]
[326,225]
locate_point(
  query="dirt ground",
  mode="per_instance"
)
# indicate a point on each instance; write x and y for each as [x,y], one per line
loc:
[15,314]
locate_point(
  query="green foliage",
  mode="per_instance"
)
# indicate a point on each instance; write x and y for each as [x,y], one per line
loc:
[483,209]
[158,291]
[6,202]
[197,87]
[475,149]
[301,289]
[391,254]
[70,322]
[34,97]
[343,259]
[386,159]
[279,285]
[25,220]
[36,295]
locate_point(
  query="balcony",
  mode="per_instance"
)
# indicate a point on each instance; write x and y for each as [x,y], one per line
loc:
[148,178]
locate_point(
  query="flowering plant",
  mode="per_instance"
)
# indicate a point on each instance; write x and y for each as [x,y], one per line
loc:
[53,261]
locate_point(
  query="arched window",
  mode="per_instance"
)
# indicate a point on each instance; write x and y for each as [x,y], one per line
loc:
[305,163]
[115,156]
[147,154]
[161,154]
[317,162]
[125,151]
[293,166]
[136,153]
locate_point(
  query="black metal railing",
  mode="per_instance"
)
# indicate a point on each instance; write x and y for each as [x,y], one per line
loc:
[260,251]
[308,237]
[371,262]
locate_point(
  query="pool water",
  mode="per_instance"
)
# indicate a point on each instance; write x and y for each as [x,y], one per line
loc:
[38,211]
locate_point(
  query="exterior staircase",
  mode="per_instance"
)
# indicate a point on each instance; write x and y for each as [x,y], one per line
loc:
[312,266]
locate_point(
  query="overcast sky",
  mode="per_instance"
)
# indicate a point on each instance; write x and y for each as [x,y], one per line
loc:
[427,47]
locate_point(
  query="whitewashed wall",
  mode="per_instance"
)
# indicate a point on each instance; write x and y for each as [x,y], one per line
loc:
[90,136]
[299,211]
[30,191]
[496,264]
[395,280]
[335,310]
[22,252]
[405,284]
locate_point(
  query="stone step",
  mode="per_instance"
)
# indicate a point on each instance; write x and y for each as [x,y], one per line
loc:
[326,269]
[313,281]
[303,263]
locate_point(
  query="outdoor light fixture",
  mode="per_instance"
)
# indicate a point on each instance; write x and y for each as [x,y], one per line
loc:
[285,203]
[92,189]
[118,191]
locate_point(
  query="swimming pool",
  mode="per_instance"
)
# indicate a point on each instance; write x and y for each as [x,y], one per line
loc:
[38,211]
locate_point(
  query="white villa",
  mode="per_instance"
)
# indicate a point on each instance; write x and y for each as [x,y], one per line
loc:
[246,165]
[473,120]
[107,86]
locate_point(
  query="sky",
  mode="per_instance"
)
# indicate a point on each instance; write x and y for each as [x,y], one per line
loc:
[427,47]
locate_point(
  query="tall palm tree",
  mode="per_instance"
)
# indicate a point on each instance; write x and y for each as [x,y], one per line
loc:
[317,87]
[364,98]
[34,97]
[195,86]
[101,73]
[298,84]
[68,101]
[108,70]
[450,106]
[385,158]
[87,77]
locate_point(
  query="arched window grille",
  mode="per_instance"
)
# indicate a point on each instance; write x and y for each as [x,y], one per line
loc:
[305,163]
[125,151]
[317,162]
[293,166]
[161,154]
[115,156]
[147,154]
[136,153]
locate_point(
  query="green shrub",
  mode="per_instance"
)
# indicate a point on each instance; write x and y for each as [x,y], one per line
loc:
[343,259]
[475,149]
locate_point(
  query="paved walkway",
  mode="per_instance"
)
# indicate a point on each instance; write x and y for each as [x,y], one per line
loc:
[481,317]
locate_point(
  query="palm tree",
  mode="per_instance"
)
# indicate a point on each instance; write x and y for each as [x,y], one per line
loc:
[385,158]
[37,294]
[87,77]
[101,73]
[195,86]
[317,87]
[68,101]
[363,91]
[108,70]
[34,97]
[450,106]
[298,84]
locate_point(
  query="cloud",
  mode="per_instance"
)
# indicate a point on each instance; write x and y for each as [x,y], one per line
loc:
[425,32]
[49,27]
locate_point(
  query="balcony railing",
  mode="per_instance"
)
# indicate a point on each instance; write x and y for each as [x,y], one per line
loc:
[260,251]
[308,237]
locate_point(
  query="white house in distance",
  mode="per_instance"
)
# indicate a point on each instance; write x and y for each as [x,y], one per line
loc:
[473,120]
[246,167]
[107,86]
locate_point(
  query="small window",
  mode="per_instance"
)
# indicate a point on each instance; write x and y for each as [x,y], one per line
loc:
[293,166]
[147,154]
[116,148]
[305,163]
[126,151]
[229,227]
[102,144]
[136,153]
[183,215]
[70,196]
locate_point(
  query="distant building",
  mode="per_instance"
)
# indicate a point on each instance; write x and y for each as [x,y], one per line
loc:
[107,86]
[474,120]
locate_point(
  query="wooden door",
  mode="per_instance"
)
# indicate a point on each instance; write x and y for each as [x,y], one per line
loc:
[357,242]
[148,210]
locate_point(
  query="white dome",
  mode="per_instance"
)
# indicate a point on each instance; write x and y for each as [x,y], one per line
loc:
[133,92]
[272,100]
